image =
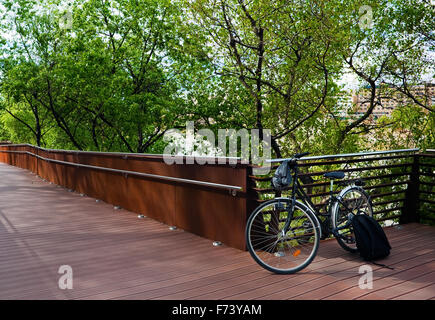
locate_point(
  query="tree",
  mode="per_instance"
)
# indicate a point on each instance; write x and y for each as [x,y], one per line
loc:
[387,56]
[116,75]
[114,79]
[282,53]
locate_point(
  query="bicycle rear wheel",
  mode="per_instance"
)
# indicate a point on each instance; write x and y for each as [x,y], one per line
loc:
[353,200]
[284,254]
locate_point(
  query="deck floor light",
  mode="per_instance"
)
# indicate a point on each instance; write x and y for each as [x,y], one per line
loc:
[141,216]
[117,207]
[172,228]
[217,243]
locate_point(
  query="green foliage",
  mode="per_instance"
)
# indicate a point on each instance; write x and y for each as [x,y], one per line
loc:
[111,80]
[411,127]
[115,75]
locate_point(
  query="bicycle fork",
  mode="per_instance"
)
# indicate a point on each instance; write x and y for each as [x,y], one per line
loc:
[290,211]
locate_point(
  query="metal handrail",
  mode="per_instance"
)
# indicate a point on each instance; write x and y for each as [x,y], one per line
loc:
[124,154]
[345,155]
[232,189]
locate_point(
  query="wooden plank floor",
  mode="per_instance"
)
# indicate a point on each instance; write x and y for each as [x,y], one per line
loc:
[115,255]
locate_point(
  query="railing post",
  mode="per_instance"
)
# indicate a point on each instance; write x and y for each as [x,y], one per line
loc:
[251,195]
[411,206]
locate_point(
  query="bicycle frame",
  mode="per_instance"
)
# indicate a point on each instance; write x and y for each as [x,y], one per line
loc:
[298,191]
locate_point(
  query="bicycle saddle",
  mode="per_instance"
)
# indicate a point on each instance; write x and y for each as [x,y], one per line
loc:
[334,175]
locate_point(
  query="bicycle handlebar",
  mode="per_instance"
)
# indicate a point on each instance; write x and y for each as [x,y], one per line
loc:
[296,157]
[300,155]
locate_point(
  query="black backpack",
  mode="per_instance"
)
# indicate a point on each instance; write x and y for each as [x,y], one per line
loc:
[371,241]
[282,177]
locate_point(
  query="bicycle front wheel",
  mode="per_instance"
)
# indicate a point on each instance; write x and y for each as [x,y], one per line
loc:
[278,252]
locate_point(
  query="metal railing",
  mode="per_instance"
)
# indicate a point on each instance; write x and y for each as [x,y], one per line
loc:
[124,155]
[424,190]
[400,183]
[393,178]
[346,155]
[233,189]
[177,195]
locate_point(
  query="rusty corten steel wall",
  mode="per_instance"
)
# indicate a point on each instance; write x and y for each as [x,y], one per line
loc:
[206,211]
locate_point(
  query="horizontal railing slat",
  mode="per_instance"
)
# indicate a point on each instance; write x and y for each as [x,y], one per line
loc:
[381,203]
[392,173]
[348,155]
[427,201]
[321,173]
[387,210]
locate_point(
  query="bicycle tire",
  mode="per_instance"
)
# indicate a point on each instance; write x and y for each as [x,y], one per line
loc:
[294,241]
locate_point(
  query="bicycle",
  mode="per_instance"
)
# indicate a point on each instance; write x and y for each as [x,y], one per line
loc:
[283,234]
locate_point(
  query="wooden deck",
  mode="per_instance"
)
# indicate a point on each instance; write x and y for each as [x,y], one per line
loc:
[115,255]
